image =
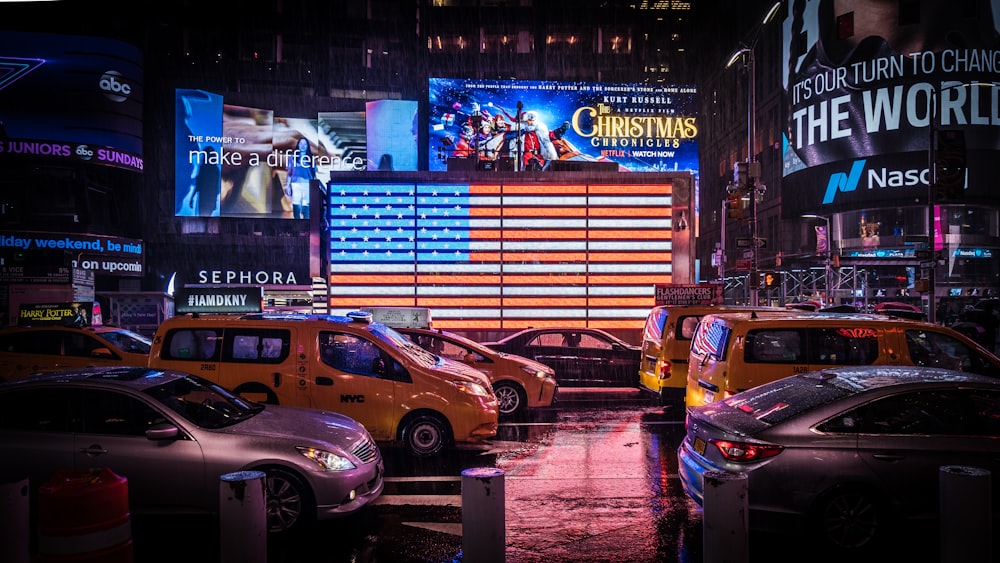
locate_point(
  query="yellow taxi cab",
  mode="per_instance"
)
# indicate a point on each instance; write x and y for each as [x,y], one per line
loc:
[732,352]
[519,383]
[349,364]
[54,336]
[666,344]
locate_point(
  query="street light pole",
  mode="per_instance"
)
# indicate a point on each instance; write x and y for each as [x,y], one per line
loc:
[829,255]
[753,167]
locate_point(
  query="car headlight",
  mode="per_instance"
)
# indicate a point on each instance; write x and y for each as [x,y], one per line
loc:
[540,374]
[472,388]
[329,461]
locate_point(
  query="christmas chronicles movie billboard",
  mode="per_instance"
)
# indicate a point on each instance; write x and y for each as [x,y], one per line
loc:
[526,125]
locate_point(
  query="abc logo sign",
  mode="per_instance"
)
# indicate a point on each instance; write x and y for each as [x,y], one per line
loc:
[116,89]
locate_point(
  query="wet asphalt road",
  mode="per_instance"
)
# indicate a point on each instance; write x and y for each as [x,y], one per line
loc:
[592,480]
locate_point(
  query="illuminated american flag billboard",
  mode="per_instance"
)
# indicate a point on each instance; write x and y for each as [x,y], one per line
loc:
[501,255]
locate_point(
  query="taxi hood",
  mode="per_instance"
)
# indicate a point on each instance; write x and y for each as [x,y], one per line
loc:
[454,369]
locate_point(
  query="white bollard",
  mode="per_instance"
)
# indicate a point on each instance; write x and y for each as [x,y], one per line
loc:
[243,518]
[725,522]
[966,500]
[484,527]
[14,532]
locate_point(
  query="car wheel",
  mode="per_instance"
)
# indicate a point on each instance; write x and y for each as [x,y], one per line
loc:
[511,399]
[850,520]
[289,501]
[425,435]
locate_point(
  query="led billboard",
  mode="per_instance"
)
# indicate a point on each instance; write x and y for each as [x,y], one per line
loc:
[70,98]
[238,161]
[867,88]
[392,134]
[525,125]
[502,256]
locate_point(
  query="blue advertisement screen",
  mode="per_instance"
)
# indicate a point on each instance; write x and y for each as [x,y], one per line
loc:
[531,124]
[239,161]
[71,98]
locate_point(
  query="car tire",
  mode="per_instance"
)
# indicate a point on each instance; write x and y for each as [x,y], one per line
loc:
[511,399]
[850,520]
[289,502]
[425,435]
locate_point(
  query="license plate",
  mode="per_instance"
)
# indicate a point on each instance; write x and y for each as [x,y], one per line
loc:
[709,397]
[699,446]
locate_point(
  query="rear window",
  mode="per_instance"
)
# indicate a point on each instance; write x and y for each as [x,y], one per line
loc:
[653,331]
[711,339]
[778,401]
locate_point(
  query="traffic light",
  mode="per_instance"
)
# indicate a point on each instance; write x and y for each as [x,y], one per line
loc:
[734,206]
[949,165]
[770,280]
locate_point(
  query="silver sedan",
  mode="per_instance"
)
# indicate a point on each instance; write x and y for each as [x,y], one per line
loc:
[843,454]
[173,436]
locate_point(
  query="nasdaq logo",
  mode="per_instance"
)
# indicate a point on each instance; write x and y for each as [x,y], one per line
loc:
[877,179]
[841,182]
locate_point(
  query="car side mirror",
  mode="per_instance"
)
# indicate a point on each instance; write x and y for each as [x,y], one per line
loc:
[102,353]
[162,431]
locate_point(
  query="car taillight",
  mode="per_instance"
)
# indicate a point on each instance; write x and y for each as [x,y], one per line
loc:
[665,370]
[740,451]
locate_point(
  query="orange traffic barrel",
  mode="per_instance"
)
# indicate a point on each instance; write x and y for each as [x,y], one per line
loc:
[83,516]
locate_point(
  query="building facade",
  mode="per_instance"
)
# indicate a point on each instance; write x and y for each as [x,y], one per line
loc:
[300,59]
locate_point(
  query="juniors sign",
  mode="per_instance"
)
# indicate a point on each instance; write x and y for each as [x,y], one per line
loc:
[71,98]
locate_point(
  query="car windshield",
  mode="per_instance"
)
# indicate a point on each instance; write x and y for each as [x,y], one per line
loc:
[404,344]
[128,341]
[203,403]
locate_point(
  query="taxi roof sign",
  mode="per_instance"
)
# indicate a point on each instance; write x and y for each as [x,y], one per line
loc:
[401,317]
[688,294]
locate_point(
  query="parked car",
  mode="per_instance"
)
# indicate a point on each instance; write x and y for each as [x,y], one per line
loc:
[31,349]
[519,383]
[732,352]
[581,357]
[844,454]
[980,321]
[401,393]
[900,310]
[173,436]
[666,345]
